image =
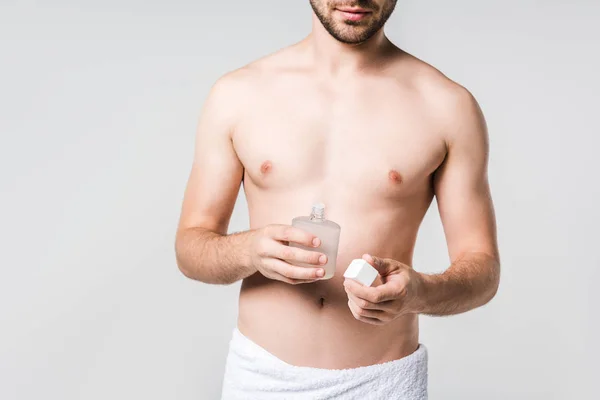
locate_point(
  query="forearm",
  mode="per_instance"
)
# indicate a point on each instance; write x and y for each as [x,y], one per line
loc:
[212,258]
[468,283]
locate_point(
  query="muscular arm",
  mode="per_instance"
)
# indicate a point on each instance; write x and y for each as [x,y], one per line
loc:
[203,249]
[467,213]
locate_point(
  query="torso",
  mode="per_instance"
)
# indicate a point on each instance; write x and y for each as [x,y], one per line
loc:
[368,150]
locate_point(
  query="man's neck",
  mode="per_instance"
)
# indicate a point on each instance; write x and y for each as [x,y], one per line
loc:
[335,58]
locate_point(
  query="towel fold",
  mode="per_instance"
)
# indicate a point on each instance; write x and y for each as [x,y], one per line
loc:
[252,373]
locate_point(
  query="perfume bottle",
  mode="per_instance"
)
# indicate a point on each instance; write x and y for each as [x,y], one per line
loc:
[327,231]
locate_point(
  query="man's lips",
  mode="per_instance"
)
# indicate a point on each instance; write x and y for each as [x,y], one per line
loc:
[353,14]
[353,9]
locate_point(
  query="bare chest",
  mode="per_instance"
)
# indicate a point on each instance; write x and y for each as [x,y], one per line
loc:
[383,145]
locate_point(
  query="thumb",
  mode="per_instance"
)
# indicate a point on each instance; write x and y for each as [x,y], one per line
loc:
[378,263]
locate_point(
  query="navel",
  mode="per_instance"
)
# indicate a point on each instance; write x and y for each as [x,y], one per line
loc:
[266,167]
[321,301]
[394,176]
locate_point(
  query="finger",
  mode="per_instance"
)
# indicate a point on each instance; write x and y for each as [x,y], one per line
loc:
[282,278]
[369,258]
[298,255]
[294,272]
[364,304]
[355,312]
[375,261]
[378,294]
[380,264]
[287,233]
[365,313]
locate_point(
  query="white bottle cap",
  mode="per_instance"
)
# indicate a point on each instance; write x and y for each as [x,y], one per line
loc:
[361,271]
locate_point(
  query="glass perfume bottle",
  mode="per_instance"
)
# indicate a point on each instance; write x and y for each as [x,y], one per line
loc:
[327,231]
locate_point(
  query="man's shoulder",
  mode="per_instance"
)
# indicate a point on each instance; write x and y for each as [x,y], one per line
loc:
[259,71]
[233,89]
[435,87]
[444,99]
[237,91]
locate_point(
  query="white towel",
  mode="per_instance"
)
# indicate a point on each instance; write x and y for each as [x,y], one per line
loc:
[252,373]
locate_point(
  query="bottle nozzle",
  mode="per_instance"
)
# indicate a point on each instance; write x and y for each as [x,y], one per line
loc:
[318,211]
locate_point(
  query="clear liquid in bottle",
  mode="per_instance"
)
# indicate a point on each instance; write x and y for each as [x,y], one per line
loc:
[327,231]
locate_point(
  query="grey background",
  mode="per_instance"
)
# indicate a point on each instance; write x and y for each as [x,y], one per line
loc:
[98,108]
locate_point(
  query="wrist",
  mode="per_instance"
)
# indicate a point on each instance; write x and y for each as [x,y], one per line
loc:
[244,246]
[425,285]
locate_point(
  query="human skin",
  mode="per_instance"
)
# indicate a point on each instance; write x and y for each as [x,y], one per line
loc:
[372,132]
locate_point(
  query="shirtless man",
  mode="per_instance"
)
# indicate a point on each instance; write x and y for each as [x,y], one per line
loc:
[346,118]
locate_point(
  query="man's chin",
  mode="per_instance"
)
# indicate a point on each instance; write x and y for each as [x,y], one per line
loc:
[357,38]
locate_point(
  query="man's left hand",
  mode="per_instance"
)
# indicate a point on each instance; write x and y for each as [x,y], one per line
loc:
[397,296]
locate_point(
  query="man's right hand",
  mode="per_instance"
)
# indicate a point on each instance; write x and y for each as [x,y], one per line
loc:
[272,258]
